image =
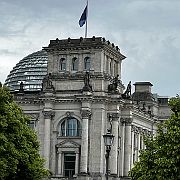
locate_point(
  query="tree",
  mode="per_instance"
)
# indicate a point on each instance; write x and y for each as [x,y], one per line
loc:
[19,147]
[161,158]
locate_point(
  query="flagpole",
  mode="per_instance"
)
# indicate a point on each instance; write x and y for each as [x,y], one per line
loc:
[86,21]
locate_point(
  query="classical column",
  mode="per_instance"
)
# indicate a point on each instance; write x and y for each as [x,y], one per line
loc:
[136,144]
[47,131]
[84,141]
[139,142]
[59,162]
[132,146]
[114,117]
[127,146]
[77,163]
[122,147]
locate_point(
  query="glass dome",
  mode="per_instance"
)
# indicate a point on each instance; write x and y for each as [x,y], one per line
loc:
[30,70]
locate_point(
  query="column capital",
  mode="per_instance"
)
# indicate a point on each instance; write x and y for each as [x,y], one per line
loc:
[127,121]
[139,130]
[59,151]
[113,116]
[85,113]
[48,114]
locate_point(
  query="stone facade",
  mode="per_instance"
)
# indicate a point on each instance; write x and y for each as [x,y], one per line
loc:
[82,98]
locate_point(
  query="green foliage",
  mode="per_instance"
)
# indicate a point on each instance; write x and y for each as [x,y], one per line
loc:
[19,147]
[161,158]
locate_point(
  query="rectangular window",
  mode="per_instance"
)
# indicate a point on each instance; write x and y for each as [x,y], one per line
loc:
[32,124]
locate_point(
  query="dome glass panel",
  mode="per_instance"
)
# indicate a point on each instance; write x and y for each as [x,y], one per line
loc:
[30,70]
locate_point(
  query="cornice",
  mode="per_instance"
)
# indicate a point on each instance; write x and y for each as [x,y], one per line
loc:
[84,44]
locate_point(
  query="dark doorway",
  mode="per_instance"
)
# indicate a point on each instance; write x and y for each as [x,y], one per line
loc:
[69,164]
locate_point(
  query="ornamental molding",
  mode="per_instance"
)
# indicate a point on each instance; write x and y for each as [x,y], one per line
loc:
[33,116]
[67,144]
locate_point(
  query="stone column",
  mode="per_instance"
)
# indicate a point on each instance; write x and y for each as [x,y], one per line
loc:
[114,148]
[122,148]
[59,162]
[127,146]
[47,132]
[139,142]
[84,141]
[132,146]
[108,65]
[136,145]
[77,163]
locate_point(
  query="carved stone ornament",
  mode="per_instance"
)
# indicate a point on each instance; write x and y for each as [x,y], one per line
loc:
[87,85]
[127,121]
[69,114]
[112,88]
[86,113]
[48,114]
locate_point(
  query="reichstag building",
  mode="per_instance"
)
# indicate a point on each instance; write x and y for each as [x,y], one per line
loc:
[89,123]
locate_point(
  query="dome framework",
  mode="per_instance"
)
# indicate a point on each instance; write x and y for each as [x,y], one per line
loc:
[30,70]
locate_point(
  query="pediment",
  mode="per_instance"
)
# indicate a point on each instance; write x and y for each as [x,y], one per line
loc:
[67,144]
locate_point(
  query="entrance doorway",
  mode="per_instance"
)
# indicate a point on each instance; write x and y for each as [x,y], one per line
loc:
[69,164]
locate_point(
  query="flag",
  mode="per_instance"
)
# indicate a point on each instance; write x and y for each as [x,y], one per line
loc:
[83,18]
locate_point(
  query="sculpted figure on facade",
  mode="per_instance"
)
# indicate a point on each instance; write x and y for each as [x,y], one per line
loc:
[127,93]
[47,82]
[112,88]
[87,85]
[21,89]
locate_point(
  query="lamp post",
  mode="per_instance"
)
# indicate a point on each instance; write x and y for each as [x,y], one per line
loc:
[108,141]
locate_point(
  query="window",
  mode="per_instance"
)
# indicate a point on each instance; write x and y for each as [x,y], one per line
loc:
[75,64]
[69,164]
[62,64]
[32,124]
[87,63]
[70,127]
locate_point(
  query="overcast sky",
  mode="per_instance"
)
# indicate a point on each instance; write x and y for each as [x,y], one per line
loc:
[147,32]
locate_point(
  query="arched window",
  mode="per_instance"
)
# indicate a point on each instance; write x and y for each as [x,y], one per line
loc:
[70,127]
[74,64]
[62,64]
[87,63]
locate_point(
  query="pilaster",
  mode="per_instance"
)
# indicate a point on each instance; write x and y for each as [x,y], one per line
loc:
[48,115]
[127,144]
[114,118]
[84,141]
